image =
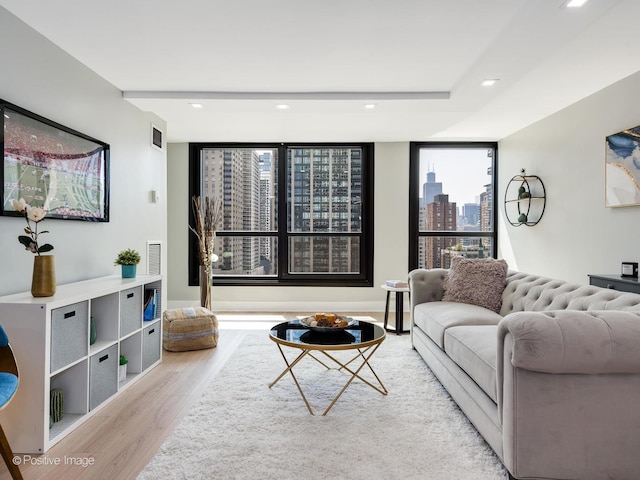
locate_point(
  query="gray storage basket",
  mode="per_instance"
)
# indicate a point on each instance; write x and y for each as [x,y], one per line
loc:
[69,334]
[150,345]
[130,310]
[103,376]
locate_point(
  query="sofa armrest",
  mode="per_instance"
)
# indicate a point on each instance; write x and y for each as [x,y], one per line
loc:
[426,285]
[568,387]
[571,341]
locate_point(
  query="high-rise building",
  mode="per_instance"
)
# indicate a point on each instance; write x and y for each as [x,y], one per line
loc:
[470,214]
[267,219]
[233,175]
[324,195]
[250,212]
[212,185]
[430,189]
[441,215]
[486,209]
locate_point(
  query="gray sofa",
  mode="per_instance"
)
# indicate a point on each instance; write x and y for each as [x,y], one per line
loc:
[552,381]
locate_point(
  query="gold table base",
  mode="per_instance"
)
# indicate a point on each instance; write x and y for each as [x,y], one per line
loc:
[363,353]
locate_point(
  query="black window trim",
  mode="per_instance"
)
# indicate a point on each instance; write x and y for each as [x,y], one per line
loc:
[414,194]
[362,279]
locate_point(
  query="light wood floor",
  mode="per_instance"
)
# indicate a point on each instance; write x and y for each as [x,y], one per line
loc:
[123,436]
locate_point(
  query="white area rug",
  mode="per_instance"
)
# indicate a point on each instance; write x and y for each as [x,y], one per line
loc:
[241,429]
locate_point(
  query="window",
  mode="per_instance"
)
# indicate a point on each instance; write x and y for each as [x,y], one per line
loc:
[292,214]
[452,205]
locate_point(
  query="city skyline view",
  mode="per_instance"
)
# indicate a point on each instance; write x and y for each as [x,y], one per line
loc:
[462,172]
[455,195]
[323,199]
[322,207]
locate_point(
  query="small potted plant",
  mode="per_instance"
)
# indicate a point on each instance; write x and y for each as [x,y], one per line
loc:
[122,373]
[128,259]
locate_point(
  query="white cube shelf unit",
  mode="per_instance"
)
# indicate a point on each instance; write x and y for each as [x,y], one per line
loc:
[50,338]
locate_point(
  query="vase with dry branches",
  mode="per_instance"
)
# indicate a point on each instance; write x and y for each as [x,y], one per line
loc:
[207,212]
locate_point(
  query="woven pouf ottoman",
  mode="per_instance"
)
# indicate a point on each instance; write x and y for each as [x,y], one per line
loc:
[191,328]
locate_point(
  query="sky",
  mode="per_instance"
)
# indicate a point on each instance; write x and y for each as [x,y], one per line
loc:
[462,171]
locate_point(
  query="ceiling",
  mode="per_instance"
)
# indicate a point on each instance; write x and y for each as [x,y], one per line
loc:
[326,59]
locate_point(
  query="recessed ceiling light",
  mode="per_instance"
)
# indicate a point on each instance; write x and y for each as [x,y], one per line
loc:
[370,106]
[576,3]
[489,82]
[196,105]
[282,106]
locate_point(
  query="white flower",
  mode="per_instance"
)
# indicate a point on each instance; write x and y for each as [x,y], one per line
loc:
[30,239]
[35,214]
[19,205]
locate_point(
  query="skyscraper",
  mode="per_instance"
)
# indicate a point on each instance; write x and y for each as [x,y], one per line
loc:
[471,214]
[233,175]
[441,215]
[324,195]
[486,209]
[267,219]
[324,199]
[430,189]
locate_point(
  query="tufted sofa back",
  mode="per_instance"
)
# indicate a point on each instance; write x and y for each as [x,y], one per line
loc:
[526,292]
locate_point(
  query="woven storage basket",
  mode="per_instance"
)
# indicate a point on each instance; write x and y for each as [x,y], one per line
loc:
[192,328]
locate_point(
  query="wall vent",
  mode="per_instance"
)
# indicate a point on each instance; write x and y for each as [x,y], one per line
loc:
[154,257]
[156,137]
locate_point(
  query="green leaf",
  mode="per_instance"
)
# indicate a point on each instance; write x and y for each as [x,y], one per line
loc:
[27,230]
[43,231]
[47,247]
[24,240]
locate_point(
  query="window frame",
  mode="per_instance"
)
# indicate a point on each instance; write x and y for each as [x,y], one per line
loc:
[414,198]
[364,278]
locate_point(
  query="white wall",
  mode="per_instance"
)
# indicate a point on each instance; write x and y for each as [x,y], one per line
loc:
[40,77]
[577,235]
[390,244]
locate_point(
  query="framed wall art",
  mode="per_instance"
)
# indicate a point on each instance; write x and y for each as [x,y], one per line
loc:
[622,168]
[53,167]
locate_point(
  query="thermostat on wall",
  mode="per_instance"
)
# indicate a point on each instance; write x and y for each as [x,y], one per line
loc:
[630,269]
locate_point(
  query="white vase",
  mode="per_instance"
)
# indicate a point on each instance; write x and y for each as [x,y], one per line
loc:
[122,372]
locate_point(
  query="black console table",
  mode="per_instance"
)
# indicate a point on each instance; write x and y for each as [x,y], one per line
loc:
[615,282]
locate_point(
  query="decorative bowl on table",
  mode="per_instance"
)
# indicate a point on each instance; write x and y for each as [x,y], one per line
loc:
[327,322]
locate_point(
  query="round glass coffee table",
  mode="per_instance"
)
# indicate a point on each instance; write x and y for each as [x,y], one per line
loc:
[363,338]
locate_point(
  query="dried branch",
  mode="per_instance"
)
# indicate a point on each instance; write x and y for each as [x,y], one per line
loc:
[207,213]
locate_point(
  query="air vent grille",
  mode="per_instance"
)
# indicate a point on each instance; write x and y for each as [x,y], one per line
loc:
[156,137]
[154,257]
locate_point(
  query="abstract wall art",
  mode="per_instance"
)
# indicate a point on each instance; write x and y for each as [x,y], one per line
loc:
[622,168]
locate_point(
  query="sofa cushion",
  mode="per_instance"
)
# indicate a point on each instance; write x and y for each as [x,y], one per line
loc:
[476,281]
[433,318]
[474,349]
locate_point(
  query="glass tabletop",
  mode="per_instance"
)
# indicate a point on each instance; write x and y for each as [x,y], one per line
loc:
[295,334]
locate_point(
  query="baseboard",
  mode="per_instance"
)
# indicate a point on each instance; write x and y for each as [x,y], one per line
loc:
[336,307]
